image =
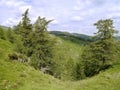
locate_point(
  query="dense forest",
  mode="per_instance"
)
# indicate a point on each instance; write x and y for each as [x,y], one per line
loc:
[65,56]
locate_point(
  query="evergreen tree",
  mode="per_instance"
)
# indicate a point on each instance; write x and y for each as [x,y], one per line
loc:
[18,29]
[26,24]
[106,41]
[2,34]
[24,29]
[10,35]
[100,54]
[42,45]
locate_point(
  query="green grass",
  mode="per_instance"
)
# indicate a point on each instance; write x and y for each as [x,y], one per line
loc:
[68,49]
[66,55]
[5,48]
[108,80]
[18,76]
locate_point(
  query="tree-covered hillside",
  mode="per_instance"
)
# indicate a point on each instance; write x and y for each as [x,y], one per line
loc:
[74,37]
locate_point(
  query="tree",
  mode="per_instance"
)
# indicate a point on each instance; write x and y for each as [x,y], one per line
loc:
[42,45]
[24,29]
[106,40]
[18,29]
[10,35]
[26,21]
[100,54]
[2,34]
[106,29]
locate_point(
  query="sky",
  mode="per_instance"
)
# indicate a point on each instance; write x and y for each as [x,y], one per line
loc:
[75,16]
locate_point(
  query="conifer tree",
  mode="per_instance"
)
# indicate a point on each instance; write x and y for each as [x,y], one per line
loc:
[2,34]
[10,35]
[100,54]
[24,29]
[42,45]
[106,41]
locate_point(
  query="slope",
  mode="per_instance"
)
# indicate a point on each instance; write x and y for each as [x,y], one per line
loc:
[66,55]
[18,76]
[73,37]
[108,80]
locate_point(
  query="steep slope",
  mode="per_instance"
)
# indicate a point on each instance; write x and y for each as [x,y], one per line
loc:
[18,76]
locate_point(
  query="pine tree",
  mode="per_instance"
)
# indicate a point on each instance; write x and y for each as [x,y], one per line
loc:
[24,29]
[106,40]
[2,34]
[42,45]
[10,35]
[100,54]
[18,29]
[26,24]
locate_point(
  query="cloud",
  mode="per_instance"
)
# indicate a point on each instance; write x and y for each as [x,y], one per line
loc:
[69,15]
[13,3]
[12,10]
[114,15]
[77,18]
[10,22]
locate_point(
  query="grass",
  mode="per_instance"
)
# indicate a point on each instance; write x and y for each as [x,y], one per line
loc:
[18,76]
[108,80]
[66,52]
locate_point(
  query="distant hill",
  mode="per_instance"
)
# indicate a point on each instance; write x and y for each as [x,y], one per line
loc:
[118,37]
[74,37]
[4,27]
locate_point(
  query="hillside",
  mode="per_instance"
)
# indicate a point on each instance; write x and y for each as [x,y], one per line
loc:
[18,76]
[74,37]
[4,27]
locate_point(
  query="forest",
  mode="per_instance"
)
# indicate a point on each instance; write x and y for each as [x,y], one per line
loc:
[29,49]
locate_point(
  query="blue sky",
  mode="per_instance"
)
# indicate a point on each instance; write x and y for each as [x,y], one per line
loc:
[76,16]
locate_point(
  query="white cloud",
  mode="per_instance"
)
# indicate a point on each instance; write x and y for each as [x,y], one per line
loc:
[13,3]
[77,18]
[24,7]
[10,22]
[112,15]
[11,9]
[77,8]
[66,14]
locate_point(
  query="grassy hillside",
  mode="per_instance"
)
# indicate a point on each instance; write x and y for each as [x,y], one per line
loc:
[108,80]
[66,55]
[18,76]
[4,27]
